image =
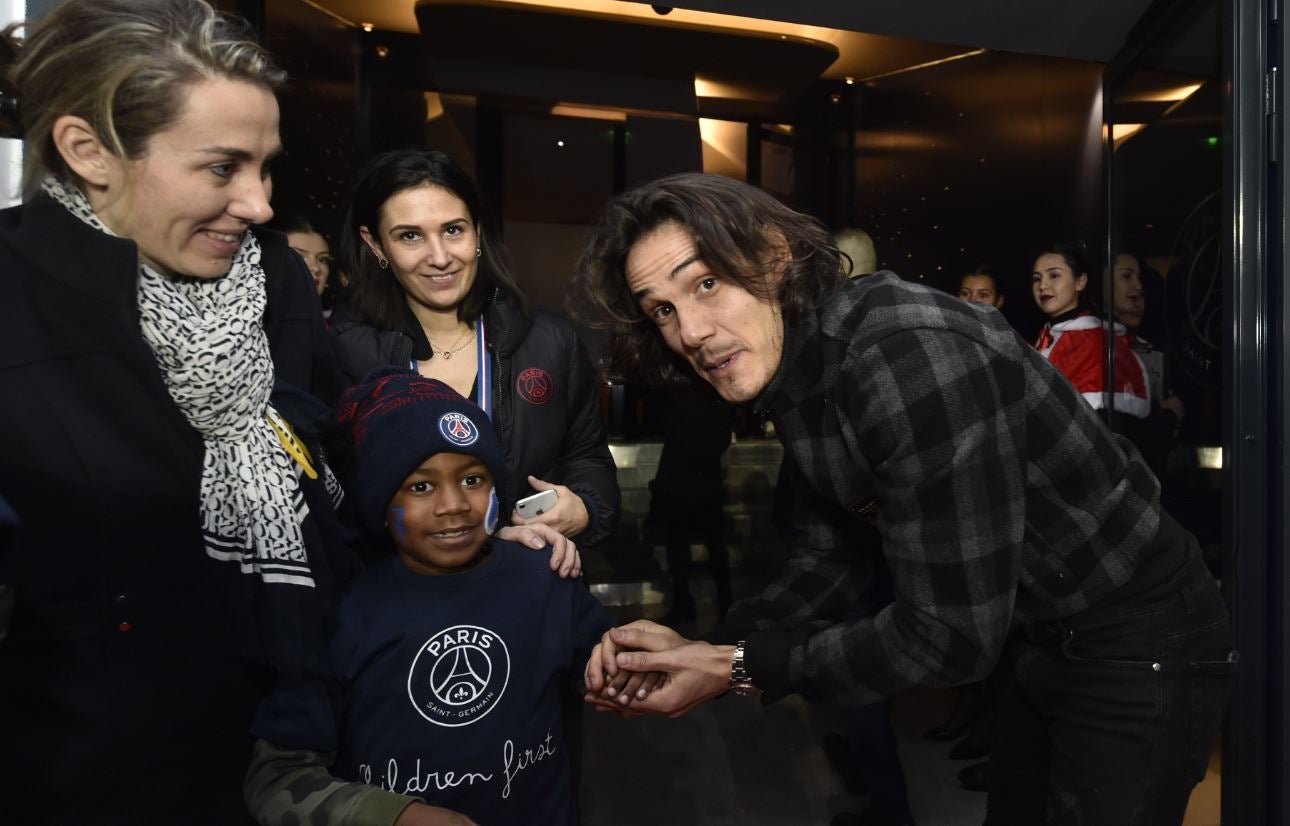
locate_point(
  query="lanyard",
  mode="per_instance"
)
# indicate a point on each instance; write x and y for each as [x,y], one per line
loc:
[483,372]
[484,376]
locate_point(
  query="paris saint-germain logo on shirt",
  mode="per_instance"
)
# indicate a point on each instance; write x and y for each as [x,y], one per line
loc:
[458,429]
[459,675]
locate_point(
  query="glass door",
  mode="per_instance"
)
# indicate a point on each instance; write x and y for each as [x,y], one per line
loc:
[1186,286]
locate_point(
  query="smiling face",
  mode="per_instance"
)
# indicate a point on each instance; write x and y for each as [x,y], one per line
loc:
[732,338]
[980,289]
[313,248]
[430,239]
[201,182]
[1055,287]
[437,516]
[1130,299]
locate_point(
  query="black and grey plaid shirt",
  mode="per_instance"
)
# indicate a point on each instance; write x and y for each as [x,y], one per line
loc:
[1000,496]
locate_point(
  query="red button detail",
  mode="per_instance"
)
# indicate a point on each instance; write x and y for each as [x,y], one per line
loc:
[123,627]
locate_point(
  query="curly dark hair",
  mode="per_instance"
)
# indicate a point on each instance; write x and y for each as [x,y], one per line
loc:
[740,232]
[378,299]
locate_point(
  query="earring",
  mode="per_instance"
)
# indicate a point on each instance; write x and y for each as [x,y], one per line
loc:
[478,251]
[382,261]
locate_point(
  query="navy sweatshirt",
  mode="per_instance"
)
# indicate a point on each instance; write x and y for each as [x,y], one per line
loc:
[450,685]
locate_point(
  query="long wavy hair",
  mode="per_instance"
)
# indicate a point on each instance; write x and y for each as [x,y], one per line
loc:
[378,298]
[740,232]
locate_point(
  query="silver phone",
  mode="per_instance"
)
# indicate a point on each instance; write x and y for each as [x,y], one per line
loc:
[537,504]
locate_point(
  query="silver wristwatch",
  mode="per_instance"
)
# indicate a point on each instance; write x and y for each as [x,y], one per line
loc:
[740,682]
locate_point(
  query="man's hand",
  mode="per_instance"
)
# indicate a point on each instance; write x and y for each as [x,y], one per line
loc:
[696,671]
[419,814]
[565,559]
[569,516]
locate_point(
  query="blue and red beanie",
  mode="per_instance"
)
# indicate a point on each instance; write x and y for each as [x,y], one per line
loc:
[398,419]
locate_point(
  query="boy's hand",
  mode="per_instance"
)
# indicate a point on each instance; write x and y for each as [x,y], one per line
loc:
[695,671]
[607,683]
[569,516]
[419,814]
[565,559]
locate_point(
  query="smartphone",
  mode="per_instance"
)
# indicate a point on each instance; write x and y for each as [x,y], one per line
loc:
[537,504]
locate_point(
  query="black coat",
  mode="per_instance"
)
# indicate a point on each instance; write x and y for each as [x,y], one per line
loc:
[545,407]
[123,695]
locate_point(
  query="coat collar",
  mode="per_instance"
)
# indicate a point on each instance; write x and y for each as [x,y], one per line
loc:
[64,248]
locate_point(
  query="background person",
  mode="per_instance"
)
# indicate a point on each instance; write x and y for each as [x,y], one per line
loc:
[687,494]
[312,246]
[158,440]
[1074,338]
[1002,500]
[434,292]
[1155,434]
[857,245]
[981,286]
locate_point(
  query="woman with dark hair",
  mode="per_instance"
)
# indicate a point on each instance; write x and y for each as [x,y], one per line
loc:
[433,290]
[1074,337]
[1156,434]
[312,246]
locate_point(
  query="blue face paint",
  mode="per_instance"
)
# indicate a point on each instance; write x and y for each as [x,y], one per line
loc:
[493,513]
[399,530]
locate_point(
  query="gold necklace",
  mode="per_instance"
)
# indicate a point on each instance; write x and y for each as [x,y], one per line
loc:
[447,354]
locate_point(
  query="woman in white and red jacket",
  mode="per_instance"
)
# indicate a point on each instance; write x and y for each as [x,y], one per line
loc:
[1074,337]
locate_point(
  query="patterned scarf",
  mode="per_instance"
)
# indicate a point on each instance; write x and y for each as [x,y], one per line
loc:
[211,347]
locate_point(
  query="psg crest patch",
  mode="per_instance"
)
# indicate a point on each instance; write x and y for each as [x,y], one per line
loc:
[535,385]
[458,429]
[459,675]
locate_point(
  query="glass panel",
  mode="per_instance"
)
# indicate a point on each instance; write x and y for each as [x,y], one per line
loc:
[1162,285]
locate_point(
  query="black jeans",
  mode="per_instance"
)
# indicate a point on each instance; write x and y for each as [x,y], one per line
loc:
[871,741]
[1108,718]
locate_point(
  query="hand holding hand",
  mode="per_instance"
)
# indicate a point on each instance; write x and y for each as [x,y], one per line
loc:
[565,559]
[569,516]
[696,671]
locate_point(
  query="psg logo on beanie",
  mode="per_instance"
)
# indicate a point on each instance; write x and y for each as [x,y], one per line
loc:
[458,429]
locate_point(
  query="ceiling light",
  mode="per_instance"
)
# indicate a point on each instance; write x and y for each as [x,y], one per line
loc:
[569,110]
[1165,95]
[1121,132]
[434,106]
[851,81]
[367,27]
[927,65]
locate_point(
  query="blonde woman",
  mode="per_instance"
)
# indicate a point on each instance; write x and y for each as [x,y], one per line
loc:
[158,365]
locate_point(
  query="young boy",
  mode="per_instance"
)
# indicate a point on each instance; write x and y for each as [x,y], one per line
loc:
[449,657]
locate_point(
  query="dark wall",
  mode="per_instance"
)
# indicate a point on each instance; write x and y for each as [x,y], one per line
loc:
[980,160]
[319,112]
[976,160]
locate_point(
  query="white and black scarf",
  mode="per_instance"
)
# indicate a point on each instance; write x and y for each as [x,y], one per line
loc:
[210,344]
